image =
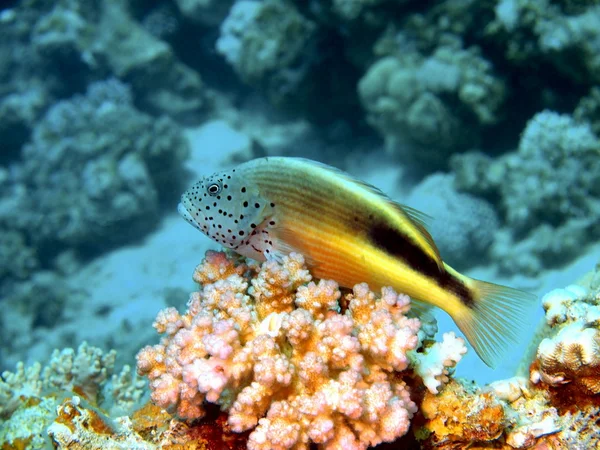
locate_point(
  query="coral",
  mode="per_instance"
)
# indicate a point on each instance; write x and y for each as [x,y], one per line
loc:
[477,173]
[84,371]
[352,9]
[31,307]
[280,355]
[92,171]
[559,159]
[27,426]
[30,395]
[463,226]
[269,45]
[103,38]
[541,31]
[80,427]
[547,192]
[588,110]
[569,359]
[461,414]
[429,101]
[17,259]
[557,407]
[24,94]
[52,50]
[434,365]
[505,415]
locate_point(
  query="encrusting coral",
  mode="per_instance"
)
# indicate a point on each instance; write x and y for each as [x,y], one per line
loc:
[571,356]
[291,357]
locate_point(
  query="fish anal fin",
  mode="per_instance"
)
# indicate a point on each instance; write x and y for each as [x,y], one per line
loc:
[421,310]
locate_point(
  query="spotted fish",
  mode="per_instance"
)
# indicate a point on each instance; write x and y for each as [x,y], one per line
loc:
[350,232]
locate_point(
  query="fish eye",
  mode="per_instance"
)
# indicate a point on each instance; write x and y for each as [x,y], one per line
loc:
[214,189]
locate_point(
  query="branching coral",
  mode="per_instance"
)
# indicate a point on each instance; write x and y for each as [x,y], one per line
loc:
[436,363]
[275,350]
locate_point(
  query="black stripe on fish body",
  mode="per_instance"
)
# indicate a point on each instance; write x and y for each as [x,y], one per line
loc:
[394,242]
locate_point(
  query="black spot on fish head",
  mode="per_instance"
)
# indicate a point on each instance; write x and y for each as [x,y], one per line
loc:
[226,201]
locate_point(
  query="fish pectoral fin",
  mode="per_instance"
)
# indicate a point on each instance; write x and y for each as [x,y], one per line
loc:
[281,238]
[275,256]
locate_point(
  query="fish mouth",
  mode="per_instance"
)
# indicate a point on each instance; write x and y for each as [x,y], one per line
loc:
[182,210]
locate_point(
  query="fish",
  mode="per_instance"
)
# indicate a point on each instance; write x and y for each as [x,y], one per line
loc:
[350,232]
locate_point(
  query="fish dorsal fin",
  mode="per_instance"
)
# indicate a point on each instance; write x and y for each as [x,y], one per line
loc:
[417,218]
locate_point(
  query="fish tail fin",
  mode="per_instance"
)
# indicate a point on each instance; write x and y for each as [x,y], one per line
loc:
[494,319]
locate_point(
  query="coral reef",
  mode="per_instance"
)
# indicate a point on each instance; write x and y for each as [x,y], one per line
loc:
[293,362]
[51,50]
[556,408]
[569,359]
[101,39]
[503,95]
[430,105]
[91,171]
[268,45]
[279,355]
[29,306]
[81,427]
[463,225]
[547,189]
[565,37]
[29,396]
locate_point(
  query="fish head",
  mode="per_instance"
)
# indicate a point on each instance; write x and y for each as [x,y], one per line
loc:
[225,206]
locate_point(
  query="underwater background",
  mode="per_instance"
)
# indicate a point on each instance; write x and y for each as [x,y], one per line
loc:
[484,115]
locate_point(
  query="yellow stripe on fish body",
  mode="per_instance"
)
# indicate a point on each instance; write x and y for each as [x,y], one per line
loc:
[351,232]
